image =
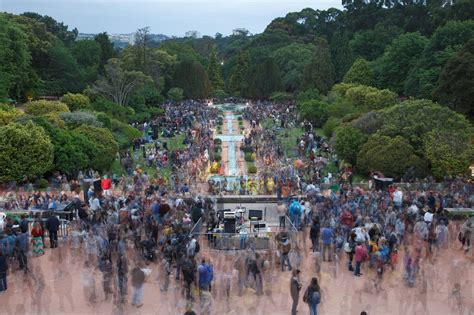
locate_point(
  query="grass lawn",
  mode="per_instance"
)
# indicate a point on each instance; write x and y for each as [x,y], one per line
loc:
[174,143]
[288,138]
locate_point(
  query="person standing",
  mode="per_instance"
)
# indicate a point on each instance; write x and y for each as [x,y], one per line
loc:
[314,234]
[138,281]
[312,296]
[3,271]
[204,272]
[122,271]
[295,288]
[52,225]
[295,214]
[361,254]
[466,231]
[281,209]
[106,184]
[327,235]
[37,233]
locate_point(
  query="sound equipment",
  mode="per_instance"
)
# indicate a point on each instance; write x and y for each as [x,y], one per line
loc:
[382,183]
[229,215]
[255,215]
[229,225]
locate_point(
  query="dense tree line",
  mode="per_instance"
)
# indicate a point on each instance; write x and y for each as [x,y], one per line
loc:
[348,70]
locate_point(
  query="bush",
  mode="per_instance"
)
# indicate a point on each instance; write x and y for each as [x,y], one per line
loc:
[370,98]
[42,107]
[249,157]
[246,149]
[75,119]
[76,101]
[394,157]
[176,94]
[217,141]
[314,111]
[25,151]
[217,157]
[107,147]
[113,110]
[124,133]
[348,143]
[42,183]
[155,111]
[330,126]
[8,116]
[281,97]
[105,120]
[252,169]
[219,94]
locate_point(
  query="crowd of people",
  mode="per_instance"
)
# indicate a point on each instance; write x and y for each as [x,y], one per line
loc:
[136,229]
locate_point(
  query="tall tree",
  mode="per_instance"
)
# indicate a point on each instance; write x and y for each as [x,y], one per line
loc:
[399,58]
[15,69]
[239,80]
[192,77]
[117,84]
[106,49]
[142,40]
[319,72]
[214,72]
[341,54]
[456,82]
[360,73]
[265,79]
[60,30]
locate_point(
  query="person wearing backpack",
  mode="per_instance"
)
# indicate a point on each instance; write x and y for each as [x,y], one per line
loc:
[312,296]
[189,271]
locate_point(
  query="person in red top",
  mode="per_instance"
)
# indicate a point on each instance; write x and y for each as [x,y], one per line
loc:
[347,221]
[106,186]
[361,254]
[37,233]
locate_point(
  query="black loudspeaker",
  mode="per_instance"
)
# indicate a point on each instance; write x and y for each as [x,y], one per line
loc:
[229,226]
[155,131]
[97,186]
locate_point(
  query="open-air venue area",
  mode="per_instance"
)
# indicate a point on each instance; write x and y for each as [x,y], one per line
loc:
[318,161]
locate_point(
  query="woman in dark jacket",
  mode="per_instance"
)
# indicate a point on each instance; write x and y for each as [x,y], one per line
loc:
[312,296]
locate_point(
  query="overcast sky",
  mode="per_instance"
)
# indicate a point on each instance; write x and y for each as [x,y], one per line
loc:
[169,17]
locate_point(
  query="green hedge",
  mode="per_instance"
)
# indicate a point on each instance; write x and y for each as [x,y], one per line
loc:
[252,169]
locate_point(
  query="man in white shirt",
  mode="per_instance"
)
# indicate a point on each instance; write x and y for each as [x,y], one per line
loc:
[398,198]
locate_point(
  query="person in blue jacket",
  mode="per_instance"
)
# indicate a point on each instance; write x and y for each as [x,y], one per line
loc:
[295,213]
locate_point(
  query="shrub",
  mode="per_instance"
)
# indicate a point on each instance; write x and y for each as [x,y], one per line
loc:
[176,94]
[348,143]
[42,107]
[330,126]
[217,141]
[25,151]
[42,183]
[107,147]
[123,133]
[76,101]
[249,157]
[75,119]
[8,116]
[217,157]
[105,120]
[219,94]
[315,111]
[391,156]
[252,169]
[280,97]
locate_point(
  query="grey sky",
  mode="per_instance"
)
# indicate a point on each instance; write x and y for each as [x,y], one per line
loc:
[169,17]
